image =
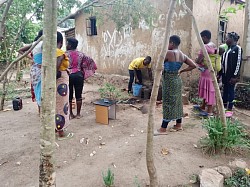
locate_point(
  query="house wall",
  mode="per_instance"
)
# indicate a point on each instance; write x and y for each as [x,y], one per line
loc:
[113,50]
[206,15]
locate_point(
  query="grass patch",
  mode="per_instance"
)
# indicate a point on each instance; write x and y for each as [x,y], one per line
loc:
[240,178]
[215,142]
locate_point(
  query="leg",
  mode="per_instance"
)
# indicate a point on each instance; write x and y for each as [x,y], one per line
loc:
[131,80]
[177,127]
[163,129]
[210,109]
[203,105]
[178,123]
[231,94]
[139,76]
[78,92]
[164,126]
[225,95]
[71,92]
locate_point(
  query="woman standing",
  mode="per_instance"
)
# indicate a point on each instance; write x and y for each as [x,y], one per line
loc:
[206,87]
[35,71]
[81,67]
[62,97]
[231,63]
[172,85]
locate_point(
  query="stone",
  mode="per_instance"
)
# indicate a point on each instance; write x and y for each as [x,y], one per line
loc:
[211,178]
[238,163]
[225,171]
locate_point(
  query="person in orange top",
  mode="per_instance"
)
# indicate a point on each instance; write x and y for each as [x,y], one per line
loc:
[62,97]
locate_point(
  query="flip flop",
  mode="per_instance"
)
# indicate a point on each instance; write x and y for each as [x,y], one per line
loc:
[197,108]
[67,136]
[229,114]
[157,133]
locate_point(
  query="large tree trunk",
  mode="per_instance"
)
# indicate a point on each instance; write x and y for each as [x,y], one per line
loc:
[47,175]
[149,149]
[212,72]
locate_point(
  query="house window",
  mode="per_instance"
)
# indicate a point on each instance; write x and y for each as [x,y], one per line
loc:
[222,31]
[91,26]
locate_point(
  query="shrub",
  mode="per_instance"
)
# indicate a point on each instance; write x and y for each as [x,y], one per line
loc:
[108,178]
[215,142]
[109,91]
[239,179]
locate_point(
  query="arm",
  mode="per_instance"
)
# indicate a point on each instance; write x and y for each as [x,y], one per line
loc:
[200,58]
[190,63]
[24,49]
[238,54]
[59,62]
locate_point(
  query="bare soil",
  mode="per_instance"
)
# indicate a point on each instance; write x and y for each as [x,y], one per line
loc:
[124,150]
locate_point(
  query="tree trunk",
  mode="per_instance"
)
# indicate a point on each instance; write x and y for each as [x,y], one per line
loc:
[47,175]
[212,72]
[2,21]
[4,93]
[246,44]
[149,149]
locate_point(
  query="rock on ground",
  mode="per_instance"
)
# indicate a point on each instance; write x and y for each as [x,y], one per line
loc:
[211,178]
[225,171]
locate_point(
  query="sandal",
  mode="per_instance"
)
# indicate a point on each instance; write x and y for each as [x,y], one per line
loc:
[66,136]
[72,116]
[157,133]
[229,114]
[175,129]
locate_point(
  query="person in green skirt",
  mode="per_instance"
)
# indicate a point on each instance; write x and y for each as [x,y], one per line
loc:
[172,85]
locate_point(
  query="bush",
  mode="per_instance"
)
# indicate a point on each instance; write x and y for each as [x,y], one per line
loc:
[215,142]
[240,178]
[109,91]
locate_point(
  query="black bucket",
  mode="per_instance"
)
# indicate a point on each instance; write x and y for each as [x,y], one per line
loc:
[17,103]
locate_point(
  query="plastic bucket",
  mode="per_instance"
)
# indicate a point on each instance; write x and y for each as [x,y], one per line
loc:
[136,89]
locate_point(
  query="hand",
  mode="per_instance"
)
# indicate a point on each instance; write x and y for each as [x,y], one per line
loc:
[180,72]
[233,81]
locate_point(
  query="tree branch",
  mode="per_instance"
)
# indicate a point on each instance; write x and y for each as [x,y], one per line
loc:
[19,58]
[18,34]
[2,22]
[77,12]
[2,2]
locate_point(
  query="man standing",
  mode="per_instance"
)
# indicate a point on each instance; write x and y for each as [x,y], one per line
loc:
[135,70]
[231,62]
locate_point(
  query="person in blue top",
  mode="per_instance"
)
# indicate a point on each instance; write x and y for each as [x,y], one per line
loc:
[35,71]
[172,85]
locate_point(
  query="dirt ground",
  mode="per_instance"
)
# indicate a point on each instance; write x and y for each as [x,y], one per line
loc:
[124,150]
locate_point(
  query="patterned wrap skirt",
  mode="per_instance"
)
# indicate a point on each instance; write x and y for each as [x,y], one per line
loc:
[172,96]
[35,77]
[62,101]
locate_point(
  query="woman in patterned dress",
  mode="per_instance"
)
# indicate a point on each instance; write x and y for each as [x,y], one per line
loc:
[62,97]
[172,85]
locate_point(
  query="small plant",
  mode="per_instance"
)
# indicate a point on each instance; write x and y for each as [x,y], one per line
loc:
[240,178]
[136,182]
[108,178]
[109,91]
[215,142]
[196,100]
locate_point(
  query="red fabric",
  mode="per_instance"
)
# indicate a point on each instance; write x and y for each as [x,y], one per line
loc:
[32,94]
